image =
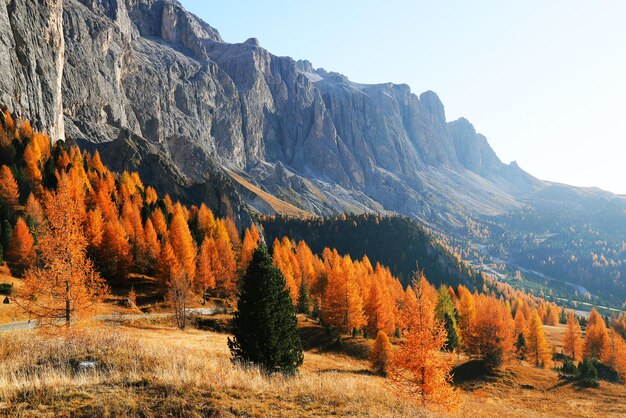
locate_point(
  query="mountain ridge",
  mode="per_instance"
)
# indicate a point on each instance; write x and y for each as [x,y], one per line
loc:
[151,73]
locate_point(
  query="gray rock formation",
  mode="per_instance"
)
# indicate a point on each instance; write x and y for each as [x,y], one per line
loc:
[147,72]
[32,56]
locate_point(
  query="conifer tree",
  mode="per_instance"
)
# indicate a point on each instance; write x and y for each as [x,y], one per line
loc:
[446,313]
[520,346]
[538,349]
[21,250]
[67,285]
[614,354]
[265,326]
[417,368]
[572,339]
[9,193]
[381,353]
[182,242]
[304,304]
[596,337]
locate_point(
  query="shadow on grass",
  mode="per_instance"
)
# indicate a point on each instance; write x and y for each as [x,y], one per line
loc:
[361,372]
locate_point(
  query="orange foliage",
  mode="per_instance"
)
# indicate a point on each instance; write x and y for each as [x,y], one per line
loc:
[182,242]
[9,192]
[21,248]
[490,334]
[538,349]
[67,286]
[381,353]
[614,353]
[417,368]
[343,305]
[572,339]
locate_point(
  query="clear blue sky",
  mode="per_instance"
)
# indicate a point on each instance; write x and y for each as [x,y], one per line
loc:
[543,80]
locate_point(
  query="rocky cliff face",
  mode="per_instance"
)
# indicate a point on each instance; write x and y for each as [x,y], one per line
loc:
[32,56]
[149,70]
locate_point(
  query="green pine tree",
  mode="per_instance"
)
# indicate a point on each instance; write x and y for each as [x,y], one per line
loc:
[7,232]
[446,312]
[304,305]
[453,337]
[520,346]
[265,326]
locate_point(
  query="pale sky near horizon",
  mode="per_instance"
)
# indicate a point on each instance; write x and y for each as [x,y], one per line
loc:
[544,81]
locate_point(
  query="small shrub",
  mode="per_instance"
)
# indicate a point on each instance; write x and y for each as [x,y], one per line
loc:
[588,374]
[6,289]
[569,367]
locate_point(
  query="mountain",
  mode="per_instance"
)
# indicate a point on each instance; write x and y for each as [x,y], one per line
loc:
[157,89]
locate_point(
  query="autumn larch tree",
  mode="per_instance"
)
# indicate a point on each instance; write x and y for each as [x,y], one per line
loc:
[466,307]
[614,353]
[65,286]
[572,339]
[538,351]
[205,270]
[491,332]
[21,248]
[265,326]
[417,368]
[381,353]
[9,193]
[251,239]
[596,335]
[343,305]
[182,242]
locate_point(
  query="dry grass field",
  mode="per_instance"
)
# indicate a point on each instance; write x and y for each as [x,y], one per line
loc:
[149,368]
[146,367]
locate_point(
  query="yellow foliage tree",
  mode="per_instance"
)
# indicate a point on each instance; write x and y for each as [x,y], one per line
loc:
[538,349]
[66,286]
[381,353]
[572,339]
[417,369]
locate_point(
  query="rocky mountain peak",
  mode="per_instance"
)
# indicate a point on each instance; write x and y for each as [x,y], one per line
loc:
[312,137]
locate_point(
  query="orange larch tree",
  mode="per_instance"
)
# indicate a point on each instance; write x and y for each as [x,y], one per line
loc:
[491,332]
[343,306]
[206,222]
[466,307]
[21,249]
[572,339]
[9,192]
[207,260]
[596,335]
[182,242]
[381,353]
[251,239]
[379,310]
[614,353]
[538,349]
[169,266]
[225,268]
[417,368]
[34,211]
[153,246]
[66,286]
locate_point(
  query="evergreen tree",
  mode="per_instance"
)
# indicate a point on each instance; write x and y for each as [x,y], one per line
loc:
[520,346]
[303,300]
[7,234]
[588,373]
[453,337]
[265,324]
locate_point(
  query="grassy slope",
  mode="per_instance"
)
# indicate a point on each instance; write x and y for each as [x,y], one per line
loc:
[189,373]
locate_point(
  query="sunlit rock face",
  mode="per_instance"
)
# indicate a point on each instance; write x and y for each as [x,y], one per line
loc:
[96,71]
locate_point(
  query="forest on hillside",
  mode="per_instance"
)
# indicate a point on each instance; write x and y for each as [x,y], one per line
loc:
[395,241]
